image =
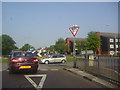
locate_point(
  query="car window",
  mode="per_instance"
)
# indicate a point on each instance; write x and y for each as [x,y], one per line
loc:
[60,56]
[23,54]
[54,56]
[48,56]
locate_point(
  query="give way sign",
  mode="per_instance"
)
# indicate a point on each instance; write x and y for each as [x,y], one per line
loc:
[74,30]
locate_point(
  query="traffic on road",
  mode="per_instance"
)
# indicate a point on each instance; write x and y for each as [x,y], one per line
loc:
[48,76]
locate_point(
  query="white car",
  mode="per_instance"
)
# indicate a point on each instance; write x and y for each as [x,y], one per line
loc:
[53,59]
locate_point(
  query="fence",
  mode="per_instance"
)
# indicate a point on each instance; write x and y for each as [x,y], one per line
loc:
[104,67]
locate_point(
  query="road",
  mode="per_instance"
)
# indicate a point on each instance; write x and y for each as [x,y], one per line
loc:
[48,76]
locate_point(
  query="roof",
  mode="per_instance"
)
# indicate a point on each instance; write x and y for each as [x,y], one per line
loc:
[107,34]
[77,39]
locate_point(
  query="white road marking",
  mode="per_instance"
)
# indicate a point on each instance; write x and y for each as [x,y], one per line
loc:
[48,69]
[40,85]
[54,69]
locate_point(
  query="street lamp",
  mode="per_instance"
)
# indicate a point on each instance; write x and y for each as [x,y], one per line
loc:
[74,30]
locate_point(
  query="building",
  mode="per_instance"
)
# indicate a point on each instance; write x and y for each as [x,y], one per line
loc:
[110,43]
[69,42]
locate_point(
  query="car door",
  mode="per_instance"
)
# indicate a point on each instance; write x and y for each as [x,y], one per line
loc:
[55,58]
[50,59]
[58,58]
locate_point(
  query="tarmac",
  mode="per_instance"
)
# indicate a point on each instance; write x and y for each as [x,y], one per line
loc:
[90,77]
[87,76]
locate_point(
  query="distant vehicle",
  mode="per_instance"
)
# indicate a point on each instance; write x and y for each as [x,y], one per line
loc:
[53,59]
[23,61]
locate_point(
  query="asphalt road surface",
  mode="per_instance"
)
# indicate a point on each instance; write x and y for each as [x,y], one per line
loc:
[48,76]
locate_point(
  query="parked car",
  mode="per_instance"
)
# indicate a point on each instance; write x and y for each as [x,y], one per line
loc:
[53,59]
[23,61]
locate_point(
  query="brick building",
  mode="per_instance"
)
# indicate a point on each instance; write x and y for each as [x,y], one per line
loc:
[110,43]
[69,42]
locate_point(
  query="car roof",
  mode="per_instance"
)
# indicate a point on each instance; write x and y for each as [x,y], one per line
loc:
[20,51]
[57,55]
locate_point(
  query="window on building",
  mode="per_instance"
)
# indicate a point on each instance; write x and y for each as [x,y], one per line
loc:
[112,52]
[111,46]
[116,46]
[111,40]
[116,40]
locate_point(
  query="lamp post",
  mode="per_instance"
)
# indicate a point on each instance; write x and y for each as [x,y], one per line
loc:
[74,30]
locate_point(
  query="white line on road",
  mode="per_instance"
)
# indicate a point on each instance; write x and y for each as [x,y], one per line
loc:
[40,85]
[54,69]
[48,69]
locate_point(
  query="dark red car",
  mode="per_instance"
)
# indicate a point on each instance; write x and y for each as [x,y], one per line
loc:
[23,61]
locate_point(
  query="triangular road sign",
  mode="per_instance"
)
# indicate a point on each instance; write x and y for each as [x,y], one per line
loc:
[40,85]
[74,30]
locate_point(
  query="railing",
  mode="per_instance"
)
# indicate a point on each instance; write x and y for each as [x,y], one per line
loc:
[104,67]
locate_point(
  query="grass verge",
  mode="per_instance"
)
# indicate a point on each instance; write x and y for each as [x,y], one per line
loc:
[71,59]
[4,60]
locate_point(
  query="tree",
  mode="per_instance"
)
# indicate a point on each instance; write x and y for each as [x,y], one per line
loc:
[51,49]
[81,45]
[26,47]
[60,46]
[8,44]
[94,41]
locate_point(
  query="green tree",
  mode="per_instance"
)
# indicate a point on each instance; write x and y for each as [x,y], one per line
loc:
[81,45]
[26,47]
[8,44]
[94,41]
[51,49]
[60,46]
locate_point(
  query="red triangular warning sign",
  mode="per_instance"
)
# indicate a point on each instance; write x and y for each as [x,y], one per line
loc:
[74,30]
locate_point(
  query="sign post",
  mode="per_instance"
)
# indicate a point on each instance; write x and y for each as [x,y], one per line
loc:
[74,31]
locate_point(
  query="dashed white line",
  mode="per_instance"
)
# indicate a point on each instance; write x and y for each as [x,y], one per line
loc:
[54,69]
[48,69]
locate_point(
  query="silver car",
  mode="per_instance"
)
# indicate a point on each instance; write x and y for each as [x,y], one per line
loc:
[54,59]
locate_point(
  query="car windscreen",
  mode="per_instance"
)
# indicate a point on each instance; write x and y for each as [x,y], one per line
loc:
[48,56]
[23,54]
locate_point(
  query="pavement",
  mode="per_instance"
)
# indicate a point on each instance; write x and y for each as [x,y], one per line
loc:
[90,77]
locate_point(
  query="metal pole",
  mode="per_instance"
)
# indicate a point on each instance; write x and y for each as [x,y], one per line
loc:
[86,53]
[74,53]
[115,46]
[86,57]
[74,31]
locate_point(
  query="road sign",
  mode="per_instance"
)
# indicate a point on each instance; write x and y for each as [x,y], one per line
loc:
[74,30]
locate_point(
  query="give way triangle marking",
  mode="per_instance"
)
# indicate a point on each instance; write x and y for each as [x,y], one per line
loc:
[40,85]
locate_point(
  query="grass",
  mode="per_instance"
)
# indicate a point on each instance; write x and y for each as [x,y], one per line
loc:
[4,60]
[71,59]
